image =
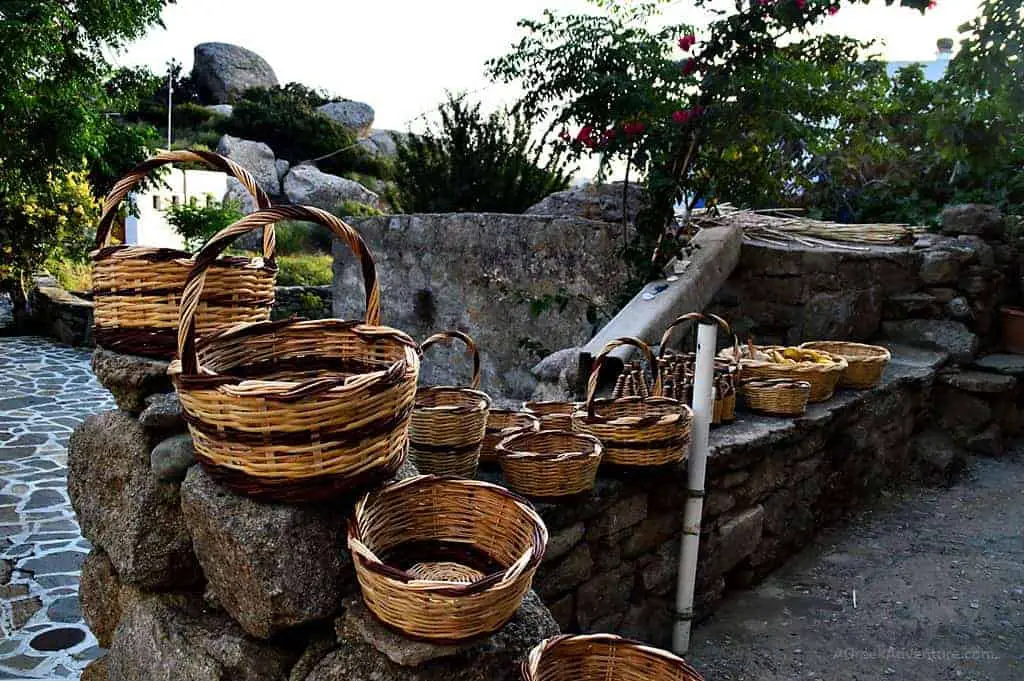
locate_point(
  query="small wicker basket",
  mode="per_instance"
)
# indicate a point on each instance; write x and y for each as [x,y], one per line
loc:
[448,423]
[603,657]
[823,377]
[635,431]
[137,289]
[444,559]
[500,424]
[777,396]
[865,363]
[550,463]
[553,414]
[296,410]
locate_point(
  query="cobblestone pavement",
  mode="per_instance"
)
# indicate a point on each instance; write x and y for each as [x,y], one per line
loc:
[46,389]
[938,578]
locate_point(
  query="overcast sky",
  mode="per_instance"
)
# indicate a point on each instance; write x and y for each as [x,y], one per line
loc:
[401,55]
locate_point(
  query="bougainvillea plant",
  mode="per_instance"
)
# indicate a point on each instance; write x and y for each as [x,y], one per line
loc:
[682,106]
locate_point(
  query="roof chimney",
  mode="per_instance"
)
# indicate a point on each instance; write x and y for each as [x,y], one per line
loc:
[945,46]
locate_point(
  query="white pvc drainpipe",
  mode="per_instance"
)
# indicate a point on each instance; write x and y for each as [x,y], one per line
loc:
[703,406]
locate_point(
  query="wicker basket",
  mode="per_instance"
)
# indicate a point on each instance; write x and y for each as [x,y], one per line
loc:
[445,559]
[635,431]
[603,657]
[296,410]
[865,363]
[500,424]
[677,371]
[777,396]
[553,414]
[550,463]
[823,377]
[448,423]
[137,289]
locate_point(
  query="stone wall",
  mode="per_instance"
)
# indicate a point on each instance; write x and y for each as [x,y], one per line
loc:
[521,285]
[946,288]
[59,314]
[311,302]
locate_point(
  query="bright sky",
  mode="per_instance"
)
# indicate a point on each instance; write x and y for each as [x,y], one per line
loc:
[401,55]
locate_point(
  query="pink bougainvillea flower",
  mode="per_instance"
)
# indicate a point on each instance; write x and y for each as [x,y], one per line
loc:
[697,111]
[833,10]
[801,4]
[633,128]
[689,66]
[686,42]
[609,133]
[564,135]
[931,5]
[680,116]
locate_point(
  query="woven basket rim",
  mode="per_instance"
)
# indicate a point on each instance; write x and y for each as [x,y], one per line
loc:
[369,560]
[285,390]
[859,352]
[531,666]
[684,412]
[533,421]
[530,406]
[838,363]
[464,400]
[504,449]
[777,383]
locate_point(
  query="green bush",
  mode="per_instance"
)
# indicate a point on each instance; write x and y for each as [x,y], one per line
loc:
[304,270]
[296,238]
[354,209]
[196,224]
[72,275]
[192,116]
[475,162]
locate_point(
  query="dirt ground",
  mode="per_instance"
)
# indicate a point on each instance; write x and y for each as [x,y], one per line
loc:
[939,581]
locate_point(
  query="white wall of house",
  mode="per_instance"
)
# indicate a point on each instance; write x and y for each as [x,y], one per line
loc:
[150,227]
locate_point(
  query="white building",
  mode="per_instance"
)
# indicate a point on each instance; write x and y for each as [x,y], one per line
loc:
[175,186]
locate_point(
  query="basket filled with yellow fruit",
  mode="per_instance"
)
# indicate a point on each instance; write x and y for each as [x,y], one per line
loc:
[819,368]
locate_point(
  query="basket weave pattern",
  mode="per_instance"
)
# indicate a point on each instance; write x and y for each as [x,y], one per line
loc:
[448,423]
[500,424]
[445,559]
[603,657]
[137,289]
[777,397]
[865,363]
[296,410]
[550,463]
[553,414]
[823,377]
[635,431]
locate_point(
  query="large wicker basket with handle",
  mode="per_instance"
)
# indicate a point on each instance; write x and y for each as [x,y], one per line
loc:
[603,657]
[550,463]
[445,559]
[500,424]
[137,289]
[823,377]
[296,410]
[865,363]
[635,431]
[448,423]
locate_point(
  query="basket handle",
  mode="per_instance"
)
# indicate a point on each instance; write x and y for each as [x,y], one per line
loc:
[449,336]
[689,317]
[261,218]
[215,161]
[656,391]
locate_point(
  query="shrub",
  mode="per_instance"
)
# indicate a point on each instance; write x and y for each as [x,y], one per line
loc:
[477,162]
[296,238]
[193,116]
[304,270]
[354,209]
[72,275]
[196,224]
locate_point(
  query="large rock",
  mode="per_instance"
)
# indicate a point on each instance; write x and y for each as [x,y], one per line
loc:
[256,157]
[307,185]
[940,266]
[948,336]
[103,597]
[172,458]
[124,509]
[129,378]
[224,71]
[162,414]
[356,116]
[270,566]
[369,651]
[972,218]
[171,638]
[382,143]
[937,455]
[594,202]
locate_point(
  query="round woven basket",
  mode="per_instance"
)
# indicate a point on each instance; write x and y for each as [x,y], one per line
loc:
[777,396]
[553,414]
[448,423]
[445,559]
[550,463]
[603,657]
[865,363]
[137,289]
[823,377]
[296,410]
[500,424]
[635,431]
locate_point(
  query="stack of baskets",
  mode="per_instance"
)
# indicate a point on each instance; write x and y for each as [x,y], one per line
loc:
[448,423]
[501,423]
[635,431]
[137,289]
[553,414]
